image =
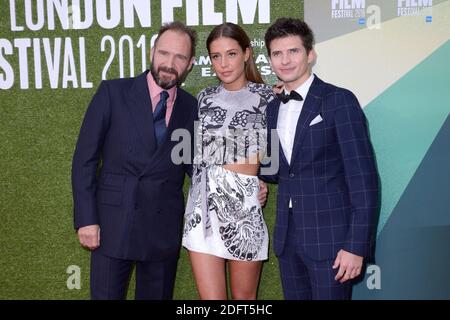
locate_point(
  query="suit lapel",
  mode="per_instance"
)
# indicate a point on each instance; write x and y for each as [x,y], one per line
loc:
[311,108]
[273,118]
[179,115]
[141,112]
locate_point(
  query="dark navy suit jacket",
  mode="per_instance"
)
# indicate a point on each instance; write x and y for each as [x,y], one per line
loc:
[122,181]
[332,177]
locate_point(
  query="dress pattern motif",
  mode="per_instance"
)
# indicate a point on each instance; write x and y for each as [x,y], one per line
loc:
[223,216]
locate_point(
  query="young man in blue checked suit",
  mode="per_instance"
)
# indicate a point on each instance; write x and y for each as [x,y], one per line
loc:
[327,180]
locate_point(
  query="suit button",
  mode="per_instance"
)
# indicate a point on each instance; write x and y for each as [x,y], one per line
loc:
[291,175]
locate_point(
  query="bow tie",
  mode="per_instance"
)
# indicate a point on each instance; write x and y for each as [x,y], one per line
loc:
[286,97]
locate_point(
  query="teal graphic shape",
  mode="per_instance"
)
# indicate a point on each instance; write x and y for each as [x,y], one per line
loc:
[404,120]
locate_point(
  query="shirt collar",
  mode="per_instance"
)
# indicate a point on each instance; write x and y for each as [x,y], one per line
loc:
[304,87]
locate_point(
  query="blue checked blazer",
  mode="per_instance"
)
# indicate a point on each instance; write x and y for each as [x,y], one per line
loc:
[332,177]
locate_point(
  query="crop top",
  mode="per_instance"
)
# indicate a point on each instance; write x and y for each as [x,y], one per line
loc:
[232,124]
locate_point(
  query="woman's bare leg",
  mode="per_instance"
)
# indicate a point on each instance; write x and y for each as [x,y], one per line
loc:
[244,279]
[209,274]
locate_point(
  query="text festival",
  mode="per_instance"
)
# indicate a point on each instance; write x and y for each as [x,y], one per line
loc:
[64,59]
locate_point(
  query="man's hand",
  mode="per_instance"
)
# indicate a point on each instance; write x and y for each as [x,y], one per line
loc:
[262,195]
[349,264]
[89,236]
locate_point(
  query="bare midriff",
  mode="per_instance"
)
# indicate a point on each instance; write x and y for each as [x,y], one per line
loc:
[248,166]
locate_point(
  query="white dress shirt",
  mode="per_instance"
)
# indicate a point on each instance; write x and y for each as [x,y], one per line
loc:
[288,115]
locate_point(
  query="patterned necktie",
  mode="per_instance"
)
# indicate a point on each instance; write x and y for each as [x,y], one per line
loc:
[159,117]
[294,95]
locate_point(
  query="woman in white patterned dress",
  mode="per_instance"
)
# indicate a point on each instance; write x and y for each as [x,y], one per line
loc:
[224,220]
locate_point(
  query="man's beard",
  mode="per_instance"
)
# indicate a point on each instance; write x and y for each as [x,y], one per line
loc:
[167,83]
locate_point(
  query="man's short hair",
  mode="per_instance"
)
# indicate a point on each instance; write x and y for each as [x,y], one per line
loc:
[179,27]
[285,27]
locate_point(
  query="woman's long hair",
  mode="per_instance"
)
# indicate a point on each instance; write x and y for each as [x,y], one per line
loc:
[235,32]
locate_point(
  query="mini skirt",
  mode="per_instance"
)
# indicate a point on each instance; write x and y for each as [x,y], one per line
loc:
[223,215]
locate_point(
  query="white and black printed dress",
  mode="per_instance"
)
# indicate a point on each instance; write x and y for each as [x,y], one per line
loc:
[223,216]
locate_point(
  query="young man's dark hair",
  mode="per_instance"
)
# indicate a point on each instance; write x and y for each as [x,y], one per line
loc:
[284,27]
[179,27]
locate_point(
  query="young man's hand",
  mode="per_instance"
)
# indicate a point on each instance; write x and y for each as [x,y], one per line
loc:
[349,264]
